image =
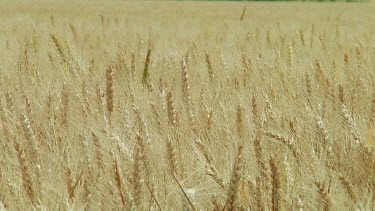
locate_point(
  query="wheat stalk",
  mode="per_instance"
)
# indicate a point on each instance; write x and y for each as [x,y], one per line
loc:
[64,110]
[74,31]
[187,94]
[98,152]
[262,169]
[349,188]
[276,185]
[322,132]
[118,181]
[240,120]
[26,177]
[110,92]
[243,13]
[289,143]
[172,158]
[233,200]
[185,83]
[172,114]
[211,171]
[325,199]
[58,48]
[302,37]
[146,73]
[138,172]
[9,102]
[350,122]
[209,66]
[346,60]
[255,112]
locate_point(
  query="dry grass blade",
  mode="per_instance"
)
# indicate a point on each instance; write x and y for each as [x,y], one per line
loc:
[74,187]
[153,196]
[183,191]
[138,172]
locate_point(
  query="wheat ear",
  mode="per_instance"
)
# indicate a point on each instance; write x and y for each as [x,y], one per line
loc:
[110,91]
[276,185]
[233,199]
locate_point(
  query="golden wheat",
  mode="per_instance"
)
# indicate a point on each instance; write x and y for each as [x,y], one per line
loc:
[119,105]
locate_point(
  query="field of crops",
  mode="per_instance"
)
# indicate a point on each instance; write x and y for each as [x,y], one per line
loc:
[187,105]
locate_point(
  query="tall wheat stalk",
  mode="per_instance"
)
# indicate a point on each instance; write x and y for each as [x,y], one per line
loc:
[233,199]
[110,92]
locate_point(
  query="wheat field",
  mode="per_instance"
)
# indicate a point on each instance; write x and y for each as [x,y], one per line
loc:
[187,106]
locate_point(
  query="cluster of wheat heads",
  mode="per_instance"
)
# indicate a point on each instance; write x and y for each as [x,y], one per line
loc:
[217,111]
